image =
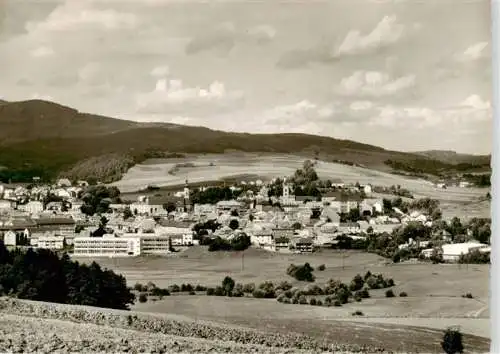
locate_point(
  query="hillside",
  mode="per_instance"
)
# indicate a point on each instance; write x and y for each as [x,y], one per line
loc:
[40,138]
[453,157]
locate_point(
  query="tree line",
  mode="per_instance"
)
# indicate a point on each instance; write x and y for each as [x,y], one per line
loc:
[42,275]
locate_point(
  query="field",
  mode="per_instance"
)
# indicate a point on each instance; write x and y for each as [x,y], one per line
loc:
[434,299]
[461,202]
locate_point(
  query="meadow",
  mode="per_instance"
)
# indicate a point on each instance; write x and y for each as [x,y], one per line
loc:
[434,299]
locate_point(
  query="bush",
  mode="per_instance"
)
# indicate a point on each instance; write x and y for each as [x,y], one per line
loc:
[301,273]
[138,287]
[295,300]
[174,288]
[468,296]
[210,291]
[452,341]
[389,293]
[312,301]
[200,288]
[302,300]
[249,288]
[319,303]
[365,294]
[284,285]
[143,298]
[321,267]
[337,303]
[160,292]
[219,291]
[228,286]
[357,297]
[357,313]
[286,301]
[403,294]
[186,287]
[390,282]
[238,290]
[192,292]
[258,294]
[357,283]
[342,295]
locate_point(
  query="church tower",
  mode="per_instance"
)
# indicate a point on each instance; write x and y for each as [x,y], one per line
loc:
[286,190]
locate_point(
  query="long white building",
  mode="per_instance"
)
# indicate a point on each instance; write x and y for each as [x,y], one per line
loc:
[106,246]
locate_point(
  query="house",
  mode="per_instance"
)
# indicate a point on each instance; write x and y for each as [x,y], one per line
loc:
[6,205]
[330,215]
[349,228]
[368,189]
[261,237]
[63,182]
[64,226]
[279,232]
[228,206]
[10,238]
[33,207]
[368,206]
[304,245]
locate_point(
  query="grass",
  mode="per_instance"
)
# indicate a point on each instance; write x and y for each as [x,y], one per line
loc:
[434,295]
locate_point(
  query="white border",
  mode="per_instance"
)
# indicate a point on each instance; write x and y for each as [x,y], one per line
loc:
[495,188]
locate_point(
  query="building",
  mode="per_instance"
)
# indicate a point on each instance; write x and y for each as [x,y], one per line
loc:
[51,242]
[225,206]
[10,238]
[106,246]
[34,207]
[262,237]
[304,245]
[452,252]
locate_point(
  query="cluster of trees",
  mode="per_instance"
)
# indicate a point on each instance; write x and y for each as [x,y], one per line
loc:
[239,243]
[434,167]
[474,257]
[25,175]
[96,199]
[201,229]
[42,275]
[479,180]
[394,190]
[306,175]
[301,273]
[213,195]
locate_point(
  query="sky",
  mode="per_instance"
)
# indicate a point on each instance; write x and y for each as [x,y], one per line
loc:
[405,75]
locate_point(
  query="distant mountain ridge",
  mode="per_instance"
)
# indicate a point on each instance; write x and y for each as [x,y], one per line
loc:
[46,138]
[453,157]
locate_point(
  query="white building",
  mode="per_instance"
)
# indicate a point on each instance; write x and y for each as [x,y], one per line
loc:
[261,237]
[10,239]
[453,251]
[51,242]
[33,207]
[106,246]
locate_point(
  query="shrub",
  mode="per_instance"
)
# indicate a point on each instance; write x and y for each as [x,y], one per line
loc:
[321,267]
[288,294]
[357,313]
[301,273]
[186,287]
[210,291]
[357,297]
[200,288]
[357,283]
[365,294]
[319,303]
[286,301]
[258,294]
[452,341]
[295,300]
[342,295]
[249,288]
[403,294]
[268,288]
[389,293]
[219,291]
[337,303]
[160,292]
[174,288]
[143,298]
[192,292]
[238,290]
[302,300]
[312,301]
[468,296]
[138,287]
[149,286]
[367,275]
[284,285]
[390,282]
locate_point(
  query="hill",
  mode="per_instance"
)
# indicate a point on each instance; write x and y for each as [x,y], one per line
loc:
[44,139]
[454,157]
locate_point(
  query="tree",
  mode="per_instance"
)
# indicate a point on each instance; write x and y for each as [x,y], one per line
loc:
[234,213]
[297,226]
[127,213]
[234,224]
[452,341]
[301,273]
[228,285]
[169,207]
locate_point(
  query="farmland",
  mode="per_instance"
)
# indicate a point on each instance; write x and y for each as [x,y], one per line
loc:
[462,202]
[434,295]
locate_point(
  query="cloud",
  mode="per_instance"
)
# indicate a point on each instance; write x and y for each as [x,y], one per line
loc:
[388,31]
[374,84]
[224,37]
[171,97]
[473,53]
[42,52]
[465,116]
[74,15]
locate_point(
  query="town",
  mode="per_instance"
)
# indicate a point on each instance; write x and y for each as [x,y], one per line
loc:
[292,214]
